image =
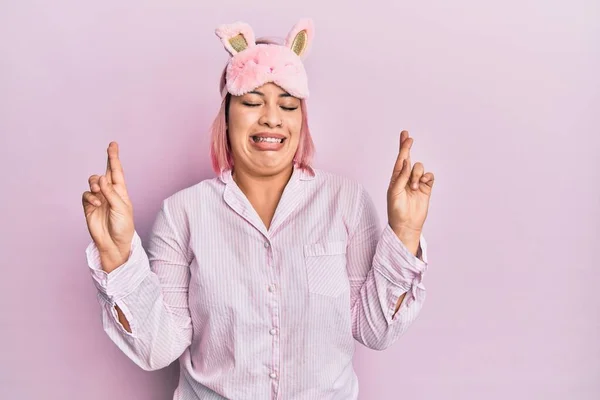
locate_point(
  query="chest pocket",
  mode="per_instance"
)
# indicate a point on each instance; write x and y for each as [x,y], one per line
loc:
[326,268]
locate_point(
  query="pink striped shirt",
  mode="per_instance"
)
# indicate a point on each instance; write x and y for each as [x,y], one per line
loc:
[253,313]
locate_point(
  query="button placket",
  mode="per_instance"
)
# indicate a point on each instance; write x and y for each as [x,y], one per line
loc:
[274,309]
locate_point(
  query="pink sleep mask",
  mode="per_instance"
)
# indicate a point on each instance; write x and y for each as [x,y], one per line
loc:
[252,65]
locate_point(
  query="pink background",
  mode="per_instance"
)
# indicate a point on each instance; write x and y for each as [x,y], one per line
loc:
[502,99]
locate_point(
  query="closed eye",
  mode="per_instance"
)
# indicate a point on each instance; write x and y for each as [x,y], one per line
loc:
[257,105]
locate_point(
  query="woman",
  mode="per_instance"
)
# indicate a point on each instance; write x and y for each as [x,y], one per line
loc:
[260,279]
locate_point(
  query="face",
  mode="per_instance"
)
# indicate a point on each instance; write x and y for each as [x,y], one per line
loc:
[264,130]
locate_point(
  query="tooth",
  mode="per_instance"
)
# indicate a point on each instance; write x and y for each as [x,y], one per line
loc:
[258,139]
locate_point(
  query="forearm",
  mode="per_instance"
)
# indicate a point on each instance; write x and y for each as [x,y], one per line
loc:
[111,260]
[382,267]
[410,239]
[148,320]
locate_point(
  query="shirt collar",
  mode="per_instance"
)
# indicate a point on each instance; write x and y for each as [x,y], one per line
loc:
[303,174]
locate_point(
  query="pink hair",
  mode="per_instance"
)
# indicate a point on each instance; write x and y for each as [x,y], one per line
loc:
[220,150]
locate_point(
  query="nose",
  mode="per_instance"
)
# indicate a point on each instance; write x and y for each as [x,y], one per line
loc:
[271,117]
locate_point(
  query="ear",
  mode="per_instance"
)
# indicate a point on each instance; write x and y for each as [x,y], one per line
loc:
[236,37]
[300,37]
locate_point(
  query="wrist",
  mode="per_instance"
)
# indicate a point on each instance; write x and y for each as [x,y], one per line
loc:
[405,231]
[411,238]
[112,259]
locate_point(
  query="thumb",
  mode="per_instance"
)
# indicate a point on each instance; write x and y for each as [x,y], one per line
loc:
[114,200]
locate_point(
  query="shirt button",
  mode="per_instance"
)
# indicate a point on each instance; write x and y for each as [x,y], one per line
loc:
[273,331]
[272,288]
[267,245]
[273,375]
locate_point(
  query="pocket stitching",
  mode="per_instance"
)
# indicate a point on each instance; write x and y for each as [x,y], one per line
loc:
[323,249]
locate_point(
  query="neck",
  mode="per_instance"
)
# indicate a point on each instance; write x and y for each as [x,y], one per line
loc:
[262,187]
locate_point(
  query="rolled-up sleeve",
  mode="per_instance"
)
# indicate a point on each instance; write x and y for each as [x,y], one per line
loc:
[381,269]
[122,280]
[151,289]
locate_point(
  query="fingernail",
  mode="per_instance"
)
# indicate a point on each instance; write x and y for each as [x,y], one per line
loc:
[97,203]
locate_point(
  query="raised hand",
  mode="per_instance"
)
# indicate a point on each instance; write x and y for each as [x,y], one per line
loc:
[409,192]
[109,212]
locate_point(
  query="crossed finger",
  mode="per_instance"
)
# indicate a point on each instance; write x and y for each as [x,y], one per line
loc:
[403,154]
[406,143]
[108,172]
[114,169]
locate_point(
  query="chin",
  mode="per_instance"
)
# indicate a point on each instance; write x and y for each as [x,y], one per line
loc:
[263,164]
[273,167]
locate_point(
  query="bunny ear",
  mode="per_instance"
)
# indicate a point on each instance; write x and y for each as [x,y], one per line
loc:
[236,37]
[300,37]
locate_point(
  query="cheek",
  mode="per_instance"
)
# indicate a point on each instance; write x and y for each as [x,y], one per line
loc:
[295,124]
[239,125]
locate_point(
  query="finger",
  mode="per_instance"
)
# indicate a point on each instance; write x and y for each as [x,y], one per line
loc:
[405,143]
[116,168]
[404,175]
[415,176]
[89,198]
[405,146]
[403,137]
[110,194]
[404,154]
[400,179]
[399,169]
[93,181]
[428,179]
[108,172]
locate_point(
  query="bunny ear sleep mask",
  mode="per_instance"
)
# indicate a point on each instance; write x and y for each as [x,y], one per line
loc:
[252,65]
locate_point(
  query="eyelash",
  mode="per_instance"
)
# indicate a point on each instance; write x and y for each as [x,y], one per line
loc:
[285,108]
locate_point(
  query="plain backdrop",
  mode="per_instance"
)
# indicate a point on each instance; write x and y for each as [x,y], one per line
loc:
[502,99]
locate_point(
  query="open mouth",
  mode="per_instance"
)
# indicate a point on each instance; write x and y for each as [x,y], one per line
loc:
[262,139]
